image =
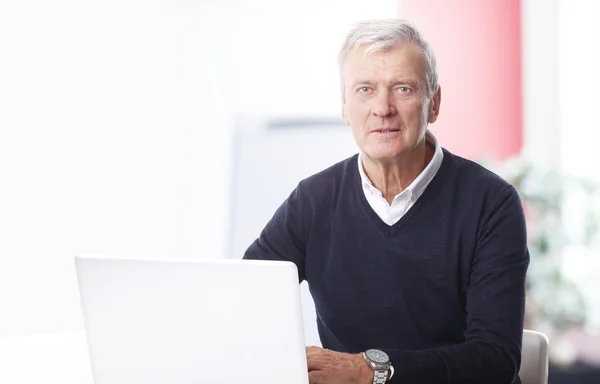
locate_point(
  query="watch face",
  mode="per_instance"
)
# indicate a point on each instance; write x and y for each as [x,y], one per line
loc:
[377,356]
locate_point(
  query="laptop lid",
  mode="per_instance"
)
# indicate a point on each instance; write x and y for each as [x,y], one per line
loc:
[192,321]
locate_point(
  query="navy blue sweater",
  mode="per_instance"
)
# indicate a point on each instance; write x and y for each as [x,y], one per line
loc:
[442,291]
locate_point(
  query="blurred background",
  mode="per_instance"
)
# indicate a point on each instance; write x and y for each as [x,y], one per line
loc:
[147,127]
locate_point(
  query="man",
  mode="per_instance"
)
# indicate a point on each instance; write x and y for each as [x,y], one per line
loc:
[413,255]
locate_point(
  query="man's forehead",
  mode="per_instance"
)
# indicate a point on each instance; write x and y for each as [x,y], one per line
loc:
[405,59]
[403,52]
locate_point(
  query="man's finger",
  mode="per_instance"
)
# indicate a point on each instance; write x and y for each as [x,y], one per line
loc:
[313,349]
[317,377]
[317,361]
[315,352]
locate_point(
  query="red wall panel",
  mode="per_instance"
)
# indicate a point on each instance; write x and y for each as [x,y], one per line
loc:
[478,47]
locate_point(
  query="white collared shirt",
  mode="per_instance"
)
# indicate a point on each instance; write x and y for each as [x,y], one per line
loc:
[390,214]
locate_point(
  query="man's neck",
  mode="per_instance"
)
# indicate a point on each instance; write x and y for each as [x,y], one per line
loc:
[394,176]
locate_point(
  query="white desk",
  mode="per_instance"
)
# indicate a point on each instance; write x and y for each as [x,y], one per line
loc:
[59,358]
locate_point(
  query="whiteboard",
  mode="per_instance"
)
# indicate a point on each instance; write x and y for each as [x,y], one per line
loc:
[270,158]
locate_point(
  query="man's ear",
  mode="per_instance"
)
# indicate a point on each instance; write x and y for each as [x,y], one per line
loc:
[434,107]
[344,113]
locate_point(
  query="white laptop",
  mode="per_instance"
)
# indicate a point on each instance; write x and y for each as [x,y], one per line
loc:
[171,321]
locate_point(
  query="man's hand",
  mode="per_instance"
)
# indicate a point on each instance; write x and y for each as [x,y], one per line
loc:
[330,367]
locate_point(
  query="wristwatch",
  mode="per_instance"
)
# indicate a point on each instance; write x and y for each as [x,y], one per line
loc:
[380,362]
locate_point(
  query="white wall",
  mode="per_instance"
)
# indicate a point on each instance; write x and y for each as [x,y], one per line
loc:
[541,122]
[104,123]
[561,55]
[579,82]
[579,60]
[116,127]
[287,60]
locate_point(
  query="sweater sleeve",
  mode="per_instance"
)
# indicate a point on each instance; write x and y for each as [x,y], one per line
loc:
[495,305]
[284,237]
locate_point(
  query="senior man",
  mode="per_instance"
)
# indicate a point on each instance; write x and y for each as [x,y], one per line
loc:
[415,257]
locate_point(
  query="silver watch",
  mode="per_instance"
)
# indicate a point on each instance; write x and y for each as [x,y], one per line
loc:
[380,362]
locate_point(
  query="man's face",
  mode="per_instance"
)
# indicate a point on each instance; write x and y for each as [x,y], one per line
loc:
[386,100]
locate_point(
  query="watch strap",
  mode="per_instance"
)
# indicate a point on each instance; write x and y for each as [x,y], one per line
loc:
[380,376]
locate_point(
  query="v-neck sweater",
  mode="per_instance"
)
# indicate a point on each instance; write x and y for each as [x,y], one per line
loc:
[442,291]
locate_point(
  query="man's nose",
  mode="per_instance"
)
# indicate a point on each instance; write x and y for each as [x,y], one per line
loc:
[383,105]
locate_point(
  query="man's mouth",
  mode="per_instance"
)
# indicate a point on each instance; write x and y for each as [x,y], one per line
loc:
[386,130]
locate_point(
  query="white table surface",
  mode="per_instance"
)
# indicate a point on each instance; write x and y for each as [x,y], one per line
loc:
[45,358]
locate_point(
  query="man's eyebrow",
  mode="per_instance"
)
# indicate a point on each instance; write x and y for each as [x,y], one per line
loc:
[412,82]
[362,82]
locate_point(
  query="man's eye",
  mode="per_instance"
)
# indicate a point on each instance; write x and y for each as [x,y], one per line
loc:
[403,89]
[364,89]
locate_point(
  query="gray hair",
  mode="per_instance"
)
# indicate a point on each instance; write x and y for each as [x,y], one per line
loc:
[385,34]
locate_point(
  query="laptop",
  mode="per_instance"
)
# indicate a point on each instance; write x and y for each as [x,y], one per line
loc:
[151,320]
